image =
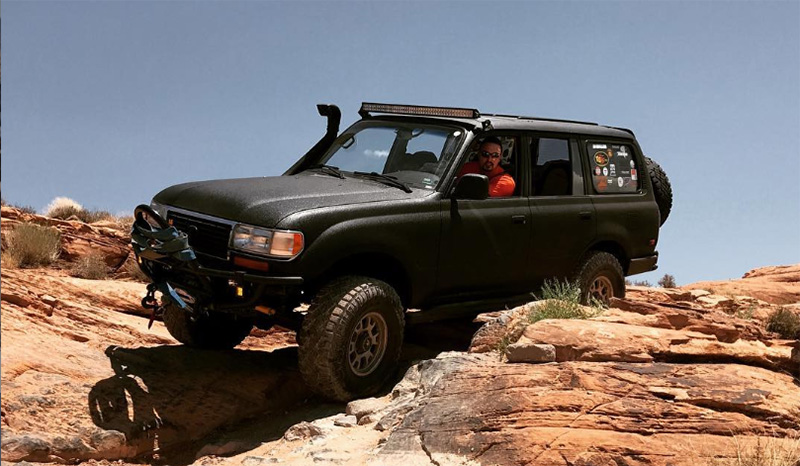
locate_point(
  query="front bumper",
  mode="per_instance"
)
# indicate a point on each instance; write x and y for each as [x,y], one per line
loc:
[165,256]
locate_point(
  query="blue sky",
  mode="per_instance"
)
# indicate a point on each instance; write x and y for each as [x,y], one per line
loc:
[108,102]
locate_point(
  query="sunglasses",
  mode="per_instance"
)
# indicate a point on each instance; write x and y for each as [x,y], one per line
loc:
[490,155]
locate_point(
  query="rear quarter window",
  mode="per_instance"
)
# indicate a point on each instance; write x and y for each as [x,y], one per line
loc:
[613,168]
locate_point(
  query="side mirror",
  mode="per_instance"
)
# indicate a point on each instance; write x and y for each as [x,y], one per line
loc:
[472,186]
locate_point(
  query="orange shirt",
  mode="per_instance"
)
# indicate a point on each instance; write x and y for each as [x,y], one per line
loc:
[501,184]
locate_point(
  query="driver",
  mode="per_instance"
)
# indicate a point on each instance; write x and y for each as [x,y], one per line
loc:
[501,184]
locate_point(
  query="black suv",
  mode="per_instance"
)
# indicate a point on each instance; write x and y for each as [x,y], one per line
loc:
[374,227]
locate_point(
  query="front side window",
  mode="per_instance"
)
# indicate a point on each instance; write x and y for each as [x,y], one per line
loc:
[613,168]
[417,155]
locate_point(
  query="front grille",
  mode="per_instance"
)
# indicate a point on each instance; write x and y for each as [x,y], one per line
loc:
[205,236]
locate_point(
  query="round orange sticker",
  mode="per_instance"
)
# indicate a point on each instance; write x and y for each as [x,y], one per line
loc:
[601,158]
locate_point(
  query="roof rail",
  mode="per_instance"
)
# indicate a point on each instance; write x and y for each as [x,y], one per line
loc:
[556,120]
[454,112]
[623,129]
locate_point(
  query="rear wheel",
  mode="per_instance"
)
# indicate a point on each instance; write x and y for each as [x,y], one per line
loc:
[213,331]
[351,338]
[600,278]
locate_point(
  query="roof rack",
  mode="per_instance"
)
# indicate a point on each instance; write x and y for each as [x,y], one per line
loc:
[454,112]
[557,120]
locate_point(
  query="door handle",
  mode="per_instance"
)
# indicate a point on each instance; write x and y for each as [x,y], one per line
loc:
[518,220]
[585,215]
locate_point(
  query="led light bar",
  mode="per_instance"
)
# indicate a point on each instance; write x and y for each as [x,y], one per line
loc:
[454,112]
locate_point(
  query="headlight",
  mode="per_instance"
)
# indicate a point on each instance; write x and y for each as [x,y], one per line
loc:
[267,242]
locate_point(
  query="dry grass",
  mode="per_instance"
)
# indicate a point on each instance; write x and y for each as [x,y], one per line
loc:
[85,216]
[767,451]
[91,266]
[31,245]
[132,270]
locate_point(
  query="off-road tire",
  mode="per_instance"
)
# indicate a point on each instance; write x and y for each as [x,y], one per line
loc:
[600,276]
[662,189]
[215,331]
[335,318]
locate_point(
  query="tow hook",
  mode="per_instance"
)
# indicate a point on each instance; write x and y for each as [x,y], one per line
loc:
[150,302]
[168,295]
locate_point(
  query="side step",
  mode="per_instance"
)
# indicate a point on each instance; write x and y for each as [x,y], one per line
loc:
[465,309]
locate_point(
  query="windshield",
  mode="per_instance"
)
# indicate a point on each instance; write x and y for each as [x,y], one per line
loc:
[416,155]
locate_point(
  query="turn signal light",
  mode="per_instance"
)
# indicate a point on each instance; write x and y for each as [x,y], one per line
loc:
[251,263]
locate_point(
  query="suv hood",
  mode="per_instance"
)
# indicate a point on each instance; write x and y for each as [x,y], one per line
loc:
[265,201]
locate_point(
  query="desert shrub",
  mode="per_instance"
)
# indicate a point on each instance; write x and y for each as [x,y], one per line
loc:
[785,323]
[131,268]
[746,312]
[64,208]
[91,216]
[61,203]
[91,266]
[667,281]
[64,212]
[562,300]
[25,209]
[31,245]
[642,283]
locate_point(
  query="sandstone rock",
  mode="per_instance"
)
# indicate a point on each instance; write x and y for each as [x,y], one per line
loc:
[677,294]
[525,350]
[713,300]
[259,461]
[77,238]
[699,293]
[602,341]
[303,431]
[31,447]
[108,440]
[630,413]
[361,408]
[499,324]
[16,299]
[346,421]
[49,300]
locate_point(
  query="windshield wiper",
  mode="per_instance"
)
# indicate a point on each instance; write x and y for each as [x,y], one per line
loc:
[328,170]
[385,179]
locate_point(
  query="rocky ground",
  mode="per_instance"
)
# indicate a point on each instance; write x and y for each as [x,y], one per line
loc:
[683,376]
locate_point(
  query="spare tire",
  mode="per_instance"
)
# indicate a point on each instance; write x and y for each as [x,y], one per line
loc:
[662,189]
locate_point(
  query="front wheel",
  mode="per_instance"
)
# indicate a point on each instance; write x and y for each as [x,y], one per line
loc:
[213,331]
[600,278]
[351,338]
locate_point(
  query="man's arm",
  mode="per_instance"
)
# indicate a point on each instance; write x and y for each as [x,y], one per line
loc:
[503,187]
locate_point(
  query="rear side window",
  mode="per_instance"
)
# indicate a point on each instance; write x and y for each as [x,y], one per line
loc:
[552,170]
[613,168]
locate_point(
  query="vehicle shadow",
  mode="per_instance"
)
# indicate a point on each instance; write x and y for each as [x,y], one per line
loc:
[167,400]
[172,402]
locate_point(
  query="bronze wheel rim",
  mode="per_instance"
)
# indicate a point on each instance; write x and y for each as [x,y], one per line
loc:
[601,289]
[367,344]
